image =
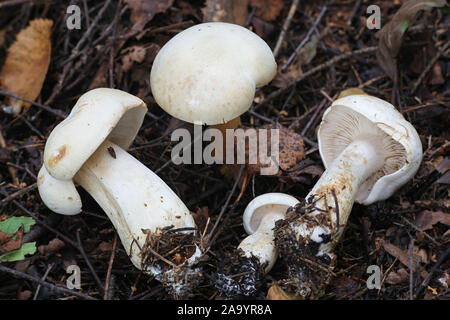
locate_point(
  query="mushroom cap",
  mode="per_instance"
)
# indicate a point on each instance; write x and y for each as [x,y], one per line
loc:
[58,195]
[366,117]
[208,73]
[100,114]
[269,203]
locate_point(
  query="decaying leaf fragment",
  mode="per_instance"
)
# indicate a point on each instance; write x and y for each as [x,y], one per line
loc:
[391,35]
[267,9]
[144,11]
[27,63]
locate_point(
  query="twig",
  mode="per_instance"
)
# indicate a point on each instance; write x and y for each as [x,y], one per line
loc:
[39,221]
[44,283]
[18,193]
[438,263]
[222,211]
[306,39]
[411,268]
[75,50]
[316,69]
[108,273]
[354,10]
[49,268]
[313,117]
[285,27]
[5,4]
[58,113]
[91,268]
[429,66]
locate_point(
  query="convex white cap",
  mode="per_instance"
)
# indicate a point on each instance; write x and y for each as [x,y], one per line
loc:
[364,117]
[98,115]
[208,73]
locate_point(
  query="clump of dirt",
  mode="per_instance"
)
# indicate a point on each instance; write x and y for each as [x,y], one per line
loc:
[167,253]
[307,273]
[238,275]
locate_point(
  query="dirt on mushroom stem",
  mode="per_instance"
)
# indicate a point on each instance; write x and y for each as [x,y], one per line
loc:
[238,275]
[307,273]
[166,253]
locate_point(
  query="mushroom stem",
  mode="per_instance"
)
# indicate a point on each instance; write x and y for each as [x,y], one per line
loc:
[134,198]
[331,200]
[260,244]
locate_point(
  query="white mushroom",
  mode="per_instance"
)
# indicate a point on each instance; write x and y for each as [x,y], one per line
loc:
[89,148]
[259,219]
[257,253]
[369,151]
[208,73]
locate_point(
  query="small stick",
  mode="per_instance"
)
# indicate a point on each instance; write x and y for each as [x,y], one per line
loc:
[440,261]
[44,283]
[43,279]
[222,211]
[285,27]
[108,273]
[91,268]
[18,193]
[429,66]
[411,267]
[306,39]
[314,70]
[58,113]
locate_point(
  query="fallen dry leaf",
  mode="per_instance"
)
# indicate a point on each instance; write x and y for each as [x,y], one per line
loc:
[391,35]
[131,55]
[27,63]
[52,247]
[267,10]
[426,219]
[225,11]
[11,242]
[144,11]
[276,293]
[402,255]
[401,276]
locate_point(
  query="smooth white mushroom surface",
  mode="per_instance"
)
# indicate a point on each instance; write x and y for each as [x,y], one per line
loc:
[259,219]
[89,147]
[208,73]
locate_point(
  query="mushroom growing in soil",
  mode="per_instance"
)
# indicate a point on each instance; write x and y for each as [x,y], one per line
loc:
[88,147]
[369,151]
[256,254]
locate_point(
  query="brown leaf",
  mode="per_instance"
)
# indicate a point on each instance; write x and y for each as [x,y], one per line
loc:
[436,75]
[131,55]
[52,247]
[276,293]
[144,11]
[401,276]
[391,35]
[27,62]
[13,241]
[225,11]
[291,149]
[402,255]
[267,9]
[426,219]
